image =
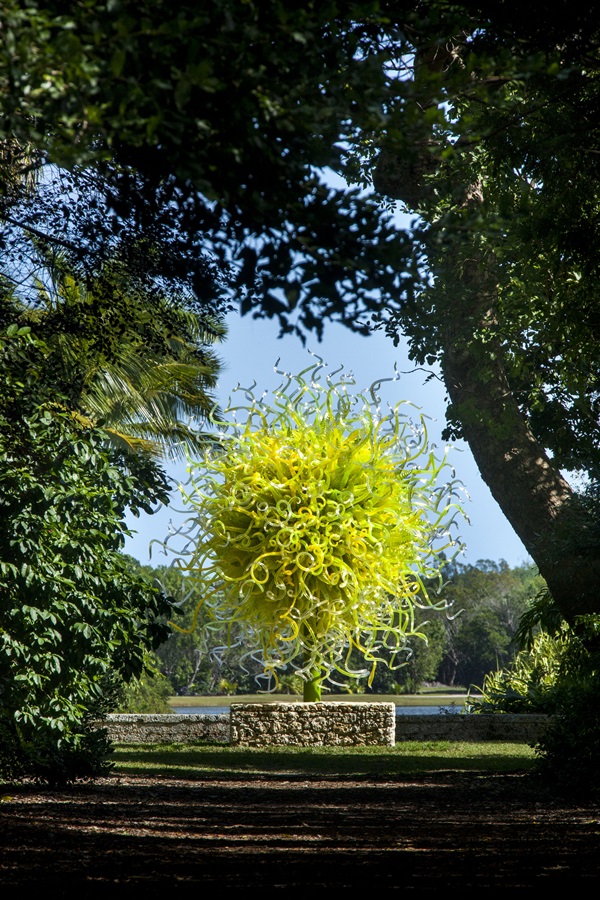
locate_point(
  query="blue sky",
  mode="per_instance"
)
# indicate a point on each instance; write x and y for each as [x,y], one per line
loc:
[250,354]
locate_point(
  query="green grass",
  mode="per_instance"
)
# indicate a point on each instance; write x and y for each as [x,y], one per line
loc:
[215,761]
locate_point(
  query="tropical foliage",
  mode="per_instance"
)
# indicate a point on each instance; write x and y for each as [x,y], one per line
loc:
[141,364]
[530,683]
[74,619]
[557,672]
[570,748]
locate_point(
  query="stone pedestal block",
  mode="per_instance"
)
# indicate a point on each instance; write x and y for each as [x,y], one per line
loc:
[313,724]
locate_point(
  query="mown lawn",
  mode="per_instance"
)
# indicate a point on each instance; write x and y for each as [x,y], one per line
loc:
[192,761]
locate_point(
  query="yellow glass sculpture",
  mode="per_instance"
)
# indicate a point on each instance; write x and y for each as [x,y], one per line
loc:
[317,521]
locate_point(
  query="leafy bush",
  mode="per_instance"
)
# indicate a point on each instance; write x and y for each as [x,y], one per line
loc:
[569,752]
[149,693]
[570,749]
[74,619]
[557,673]
[531,683]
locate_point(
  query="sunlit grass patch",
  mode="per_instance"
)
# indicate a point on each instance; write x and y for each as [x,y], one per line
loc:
[197,762]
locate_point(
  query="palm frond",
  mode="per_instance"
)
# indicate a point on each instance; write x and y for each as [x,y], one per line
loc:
[143,366]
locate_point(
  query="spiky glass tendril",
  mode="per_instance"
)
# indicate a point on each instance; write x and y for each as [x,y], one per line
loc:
[316,523]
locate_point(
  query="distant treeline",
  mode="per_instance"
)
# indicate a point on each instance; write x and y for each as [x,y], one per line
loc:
[473,636]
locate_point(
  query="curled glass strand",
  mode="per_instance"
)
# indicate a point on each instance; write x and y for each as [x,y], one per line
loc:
[317,522]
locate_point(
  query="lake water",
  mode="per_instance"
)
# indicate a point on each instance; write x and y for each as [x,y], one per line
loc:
[400,710]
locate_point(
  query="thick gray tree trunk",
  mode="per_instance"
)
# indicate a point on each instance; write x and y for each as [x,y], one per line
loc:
[538,502]
[536,499]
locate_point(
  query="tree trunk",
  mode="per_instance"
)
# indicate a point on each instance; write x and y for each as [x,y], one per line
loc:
[537,501]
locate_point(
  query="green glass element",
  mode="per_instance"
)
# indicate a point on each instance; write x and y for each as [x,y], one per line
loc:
[316,523]
[312,687]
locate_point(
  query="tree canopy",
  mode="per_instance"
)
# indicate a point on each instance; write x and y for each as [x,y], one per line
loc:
[209,128]
[212,124]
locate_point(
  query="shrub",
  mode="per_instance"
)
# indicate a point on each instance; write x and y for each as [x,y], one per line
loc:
[531,683]
[74,619]
[149,693]
[559,674]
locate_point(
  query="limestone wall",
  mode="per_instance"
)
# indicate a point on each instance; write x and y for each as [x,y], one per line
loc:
[203,729]
[143,728]
[519,729]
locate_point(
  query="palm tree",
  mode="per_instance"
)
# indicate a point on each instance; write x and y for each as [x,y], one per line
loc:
[131,357]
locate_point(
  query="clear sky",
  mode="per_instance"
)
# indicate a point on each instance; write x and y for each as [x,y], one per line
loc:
[250,354]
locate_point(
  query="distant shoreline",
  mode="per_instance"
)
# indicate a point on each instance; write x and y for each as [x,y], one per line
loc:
[446,698]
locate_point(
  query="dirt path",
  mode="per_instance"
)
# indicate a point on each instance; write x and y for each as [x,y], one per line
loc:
[142,837]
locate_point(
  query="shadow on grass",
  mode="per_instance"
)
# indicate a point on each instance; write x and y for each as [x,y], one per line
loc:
[419,816]
[225,762]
